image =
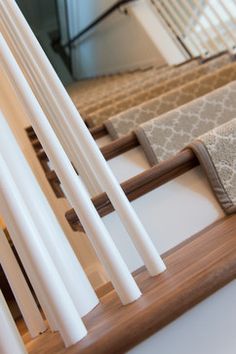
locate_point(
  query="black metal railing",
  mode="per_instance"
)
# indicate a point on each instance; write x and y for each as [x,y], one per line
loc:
[97,21]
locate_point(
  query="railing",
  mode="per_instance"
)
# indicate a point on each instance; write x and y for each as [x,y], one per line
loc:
[97,21]
[204,27]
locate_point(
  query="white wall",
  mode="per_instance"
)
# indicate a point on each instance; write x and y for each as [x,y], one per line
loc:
[119,43]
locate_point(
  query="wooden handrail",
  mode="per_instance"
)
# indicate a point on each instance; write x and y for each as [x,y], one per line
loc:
[141,184]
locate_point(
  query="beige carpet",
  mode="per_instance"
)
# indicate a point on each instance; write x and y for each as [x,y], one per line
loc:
[129,120]
[164,136]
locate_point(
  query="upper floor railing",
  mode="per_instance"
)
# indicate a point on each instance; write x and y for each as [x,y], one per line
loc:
[198,27]
[97,20]
[205,27]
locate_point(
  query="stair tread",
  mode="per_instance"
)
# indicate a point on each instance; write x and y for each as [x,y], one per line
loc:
[195,269]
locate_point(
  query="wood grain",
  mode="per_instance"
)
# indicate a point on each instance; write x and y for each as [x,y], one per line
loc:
[195,269]
[141,184]
[98,131]
[119,146]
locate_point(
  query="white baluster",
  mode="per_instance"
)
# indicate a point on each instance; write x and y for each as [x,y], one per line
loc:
[55,240]
[180,14]
[10,339]
[108,253]
[46,98]
[34,280]
[168,19]
[69,322]
[214,27]
[223,23]
[87,148]
[20,289]
[228,10]
[197,21]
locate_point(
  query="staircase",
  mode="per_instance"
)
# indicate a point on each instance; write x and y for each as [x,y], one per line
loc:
[143,181]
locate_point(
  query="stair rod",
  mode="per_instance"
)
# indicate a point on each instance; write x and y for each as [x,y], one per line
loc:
[46,98]
[88,148]
[10,339]
[70,325]
[109,255]
[20,289]
[51,232]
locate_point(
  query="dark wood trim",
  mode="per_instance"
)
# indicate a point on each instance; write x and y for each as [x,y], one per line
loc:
[141,184]
[198,57]
[212,57]
[36,144]
[30,133]
[43,160]
[98,131]
[195,270]
[41,155]
[109,151]
[119,146]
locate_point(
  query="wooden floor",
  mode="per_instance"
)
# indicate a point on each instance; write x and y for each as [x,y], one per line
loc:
[195,269]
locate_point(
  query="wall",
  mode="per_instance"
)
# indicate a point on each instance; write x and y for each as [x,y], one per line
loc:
[39,14]
[18,120]
[119,43]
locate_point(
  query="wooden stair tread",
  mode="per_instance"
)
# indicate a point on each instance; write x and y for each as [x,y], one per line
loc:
[195,269]
[141,184]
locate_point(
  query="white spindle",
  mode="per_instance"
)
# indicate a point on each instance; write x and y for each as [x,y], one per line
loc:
[224,24]
[69,322]
[161,9]
[174,5]
[64,258]
[103,244]
[29,268]
[191,11]
[218,34]
[21,291]
[40,86]
[182,12]
[90,151]
[10,339]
